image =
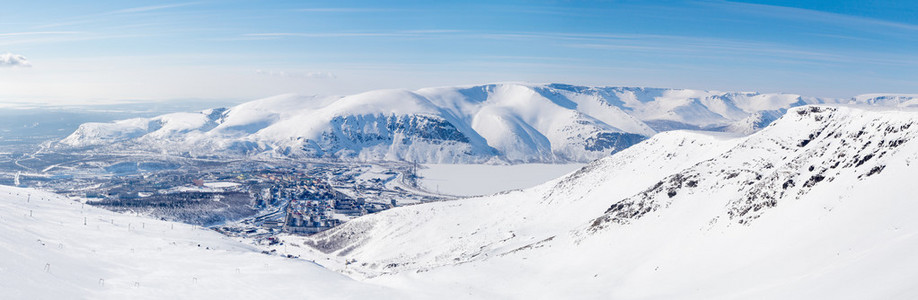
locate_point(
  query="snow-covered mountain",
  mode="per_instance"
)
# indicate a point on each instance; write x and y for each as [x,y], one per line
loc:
[892,100]
[470,124]
[55,248]
[819,204]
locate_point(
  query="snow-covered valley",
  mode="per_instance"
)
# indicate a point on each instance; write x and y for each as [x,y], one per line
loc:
[511,150]
[818,204]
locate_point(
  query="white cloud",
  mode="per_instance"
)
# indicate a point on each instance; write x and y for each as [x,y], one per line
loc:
[399,33]
[345,10]
[13,60]
[150,8]
[810,15]
[285,74]
[32,33]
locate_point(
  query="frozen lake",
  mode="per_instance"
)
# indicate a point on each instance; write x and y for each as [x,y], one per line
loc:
[473,180]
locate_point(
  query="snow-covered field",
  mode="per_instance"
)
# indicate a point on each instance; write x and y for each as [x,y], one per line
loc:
[46,252]
[475,180]
[220,184]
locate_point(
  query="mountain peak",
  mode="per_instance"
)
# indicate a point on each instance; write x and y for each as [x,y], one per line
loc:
[513,122]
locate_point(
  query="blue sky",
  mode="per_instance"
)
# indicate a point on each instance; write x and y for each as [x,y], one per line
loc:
[65,52]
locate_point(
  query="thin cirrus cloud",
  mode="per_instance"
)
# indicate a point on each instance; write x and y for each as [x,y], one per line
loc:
[399,33]
[27,37]
[150,8]
[345,10]
[100,17]
[809,15]
[286,74]
[13,60]
[321,34]
[34,33]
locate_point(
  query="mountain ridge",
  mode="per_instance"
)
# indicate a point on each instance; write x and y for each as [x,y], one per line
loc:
[513,123]
[820,196]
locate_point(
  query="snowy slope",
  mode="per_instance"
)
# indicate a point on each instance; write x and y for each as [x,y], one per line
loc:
[470,124]
[817,205]
[46,252]
[755,122]
[477,228]
[894,100]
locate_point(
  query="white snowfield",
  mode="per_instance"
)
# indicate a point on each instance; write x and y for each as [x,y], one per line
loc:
[46,252]
[516,123]
[819,205]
